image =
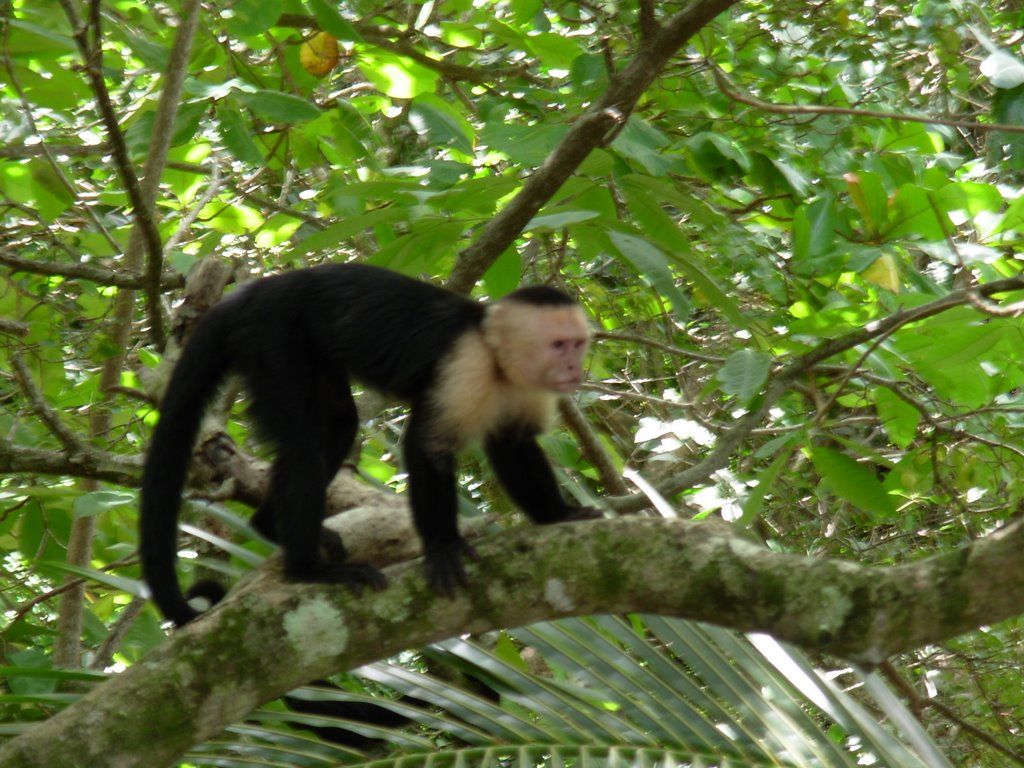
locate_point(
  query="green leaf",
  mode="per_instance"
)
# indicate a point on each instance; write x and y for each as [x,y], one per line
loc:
[645,145]
[529,145]
[154,55]
[480,195]
[251,17]
[234,218]
[397,76]
[754,501]
[558,219]
[556,50]
[916,212]
[59,89]
[52,197]
[95,502]
[186,123]
[1012,219]
[744,373]
[332,22]
[236,135]
[1008,107]
[796,181]
[647,204]
[714,156]
[814,226]
[420,250]
[853,482]
[29,40]
[971,197]
[899,418]
[279,107]
[120,583]
[439,124]
[871,201]
[913,138]
[650,263]
[503,276]
[337,233]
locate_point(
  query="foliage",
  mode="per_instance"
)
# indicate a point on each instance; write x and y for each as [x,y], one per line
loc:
[602,689]
[794,175]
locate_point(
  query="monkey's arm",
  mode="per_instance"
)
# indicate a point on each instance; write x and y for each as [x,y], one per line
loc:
[524,471]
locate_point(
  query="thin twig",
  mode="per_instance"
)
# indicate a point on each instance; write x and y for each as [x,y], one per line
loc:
[66,436]
[91,52]
[728,442]
[729,89]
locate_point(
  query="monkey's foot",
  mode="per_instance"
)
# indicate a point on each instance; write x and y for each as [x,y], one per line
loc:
[445,570]
[354,576]
[208,591]
[331,548]
[582,513]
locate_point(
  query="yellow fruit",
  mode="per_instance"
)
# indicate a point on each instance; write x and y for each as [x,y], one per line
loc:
[319,54]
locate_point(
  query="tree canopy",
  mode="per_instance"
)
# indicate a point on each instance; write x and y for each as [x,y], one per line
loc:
[795,229]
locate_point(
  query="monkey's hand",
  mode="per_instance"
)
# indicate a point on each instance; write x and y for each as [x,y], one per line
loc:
[445,571]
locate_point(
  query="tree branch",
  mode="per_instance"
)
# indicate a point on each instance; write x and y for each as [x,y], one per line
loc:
[729,89]
[67,437]
[93,272]
[92,57]
[729,442]
[591,130]
[270,636]
[160,143]
[89,463]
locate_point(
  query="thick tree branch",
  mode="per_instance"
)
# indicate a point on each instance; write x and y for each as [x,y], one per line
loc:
[88,463]
[270,636]
[93,272]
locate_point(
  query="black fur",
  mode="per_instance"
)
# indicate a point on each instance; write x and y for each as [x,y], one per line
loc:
[541,296]
[296,339]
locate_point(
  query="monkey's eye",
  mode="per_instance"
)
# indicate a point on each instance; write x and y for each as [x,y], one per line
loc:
[564,345]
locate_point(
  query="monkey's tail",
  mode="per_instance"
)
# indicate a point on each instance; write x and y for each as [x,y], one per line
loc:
[202,365]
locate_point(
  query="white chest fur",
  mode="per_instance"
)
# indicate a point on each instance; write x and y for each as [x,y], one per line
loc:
[472,397]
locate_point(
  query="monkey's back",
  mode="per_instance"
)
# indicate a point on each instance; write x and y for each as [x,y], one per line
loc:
[384,329]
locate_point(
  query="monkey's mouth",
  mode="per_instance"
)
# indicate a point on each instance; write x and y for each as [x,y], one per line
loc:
[565,386]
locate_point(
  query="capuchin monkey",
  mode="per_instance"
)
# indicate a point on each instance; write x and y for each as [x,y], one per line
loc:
[469,371]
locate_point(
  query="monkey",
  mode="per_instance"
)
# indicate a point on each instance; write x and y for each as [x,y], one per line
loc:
[469,371]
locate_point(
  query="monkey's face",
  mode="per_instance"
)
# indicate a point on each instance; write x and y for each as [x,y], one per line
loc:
[562,345]
[540,347]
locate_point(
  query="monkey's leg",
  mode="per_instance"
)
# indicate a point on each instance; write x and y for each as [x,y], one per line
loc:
[290,412]
[340,419]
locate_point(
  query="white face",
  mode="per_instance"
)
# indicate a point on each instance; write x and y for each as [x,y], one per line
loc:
[561,346]
[539,347]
